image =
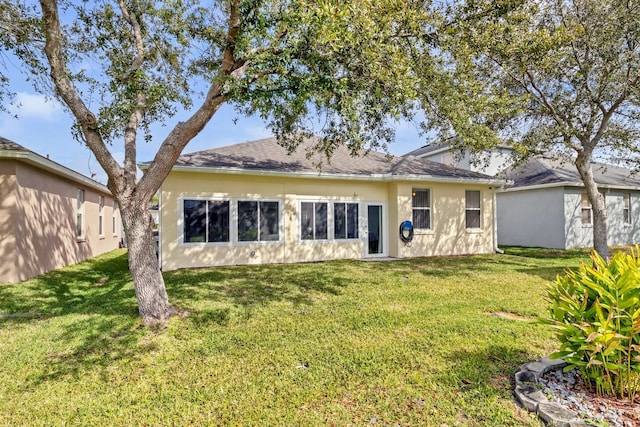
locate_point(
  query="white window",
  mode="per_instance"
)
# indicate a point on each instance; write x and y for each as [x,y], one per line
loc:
[472,209]
[586,213]
[258,221]
[100,216]
[80,214]
[421,206]
[206,221]
[314,221]
[345,220]
[114,218]
[626,208]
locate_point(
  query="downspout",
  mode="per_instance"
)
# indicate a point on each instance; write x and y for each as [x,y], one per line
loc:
[495,224]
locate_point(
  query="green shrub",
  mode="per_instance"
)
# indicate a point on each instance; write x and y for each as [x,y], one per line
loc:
[595,312]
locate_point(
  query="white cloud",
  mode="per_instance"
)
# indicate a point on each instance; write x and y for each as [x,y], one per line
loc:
[33,106]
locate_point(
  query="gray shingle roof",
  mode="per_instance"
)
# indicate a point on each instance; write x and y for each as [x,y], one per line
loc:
[268,155]
[541,171]
[6,144]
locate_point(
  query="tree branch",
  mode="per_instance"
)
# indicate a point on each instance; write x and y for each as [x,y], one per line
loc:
[66,90]
[184,132]
[136,116]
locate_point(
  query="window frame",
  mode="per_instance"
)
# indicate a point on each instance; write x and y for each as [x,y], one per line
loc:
[331,218]
[314,204]
[258,201]
[346,204]
[422,208]
[626,208]
[206,224]
[233,221]
[80,214]
[584,197]
[101,215]
[468,209]
[114,221]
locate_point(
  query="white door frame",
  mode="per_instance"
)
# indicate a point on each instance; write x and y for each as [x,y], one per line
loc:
[383,230]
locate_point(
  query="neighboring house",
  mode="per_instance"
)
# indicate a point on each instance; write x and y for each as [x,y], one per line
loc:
[50,216]
[492,162]
[253,203]
[546,204]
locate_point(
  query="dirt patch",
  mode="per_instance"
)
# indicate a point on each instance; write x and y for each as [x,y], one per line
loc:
[511,316]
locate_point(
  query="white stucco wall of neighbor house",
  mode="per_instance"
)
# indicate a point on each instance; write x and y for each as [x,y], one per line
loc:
[531,218]
[619,231]
[491,163]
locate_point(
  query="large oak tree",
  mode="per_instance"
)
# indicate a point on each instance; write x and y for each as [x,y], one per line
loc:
[552,77]
[120,66]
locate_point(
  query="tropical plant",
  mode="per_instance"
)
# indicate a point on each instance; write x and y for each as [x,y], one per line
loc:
[595,311]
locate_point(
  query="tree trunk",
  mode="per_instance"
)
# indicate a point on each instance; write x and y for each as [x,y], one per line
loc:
[151,293]
[598,207]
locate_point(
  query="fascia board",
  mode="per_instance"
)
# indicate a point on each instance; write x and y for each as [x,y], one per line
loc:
[352,177]
[53,167]
[569,184]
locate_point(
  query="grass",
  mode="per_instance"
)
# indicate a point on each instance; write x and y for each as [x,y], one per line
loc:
[408,342]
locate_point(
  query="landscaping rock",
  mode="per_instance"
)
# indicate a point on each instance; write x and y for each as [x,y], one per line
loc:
[530,397]
[558,416]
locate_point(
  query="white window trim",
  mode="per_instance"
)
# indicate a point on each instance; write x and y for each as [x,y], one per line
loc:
[101,232]
[114,218]
[233,221]
[330,220]
[80,210]
[472,229]
[332,235]
[590,207]
[430,209]
[628,208]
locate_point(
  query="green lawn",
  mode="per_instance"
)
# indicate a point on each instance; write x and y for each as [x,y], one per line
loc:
[409,342]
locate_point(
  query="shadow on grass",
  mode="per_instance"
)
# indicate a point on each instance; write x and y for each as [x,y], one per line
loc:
[101,342]
[437,267]
[256,285]
[543,253]
[489,372]
[101,285]
[94,324]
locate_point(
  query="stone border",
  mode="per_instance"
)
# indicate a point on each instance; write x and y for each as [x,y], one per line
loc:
[531,397]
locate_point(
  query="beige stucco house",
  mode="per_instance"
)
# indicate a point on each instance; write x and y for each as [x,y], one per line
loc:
[252,203]
[545,203]
[50,216]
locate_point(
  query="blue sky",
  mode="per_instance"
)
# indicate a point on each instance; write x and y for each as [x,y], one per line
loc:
[43,126]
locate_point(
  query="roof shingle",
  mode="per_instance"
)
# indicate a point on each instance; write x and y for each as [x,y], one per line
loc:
[6,144]
[268,155]
[540,171]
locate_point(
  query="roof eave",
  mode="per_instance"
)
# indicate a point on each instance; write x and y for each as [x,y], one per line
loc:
[43,163]
[337,176]
[569,184]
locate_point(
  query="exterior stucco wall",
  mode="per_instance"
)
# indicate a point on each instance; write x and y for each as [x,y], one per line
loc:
[531,218]
[491,162]
[448,234]
[8,218]
[46,226]
[446,239]
[618,233]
